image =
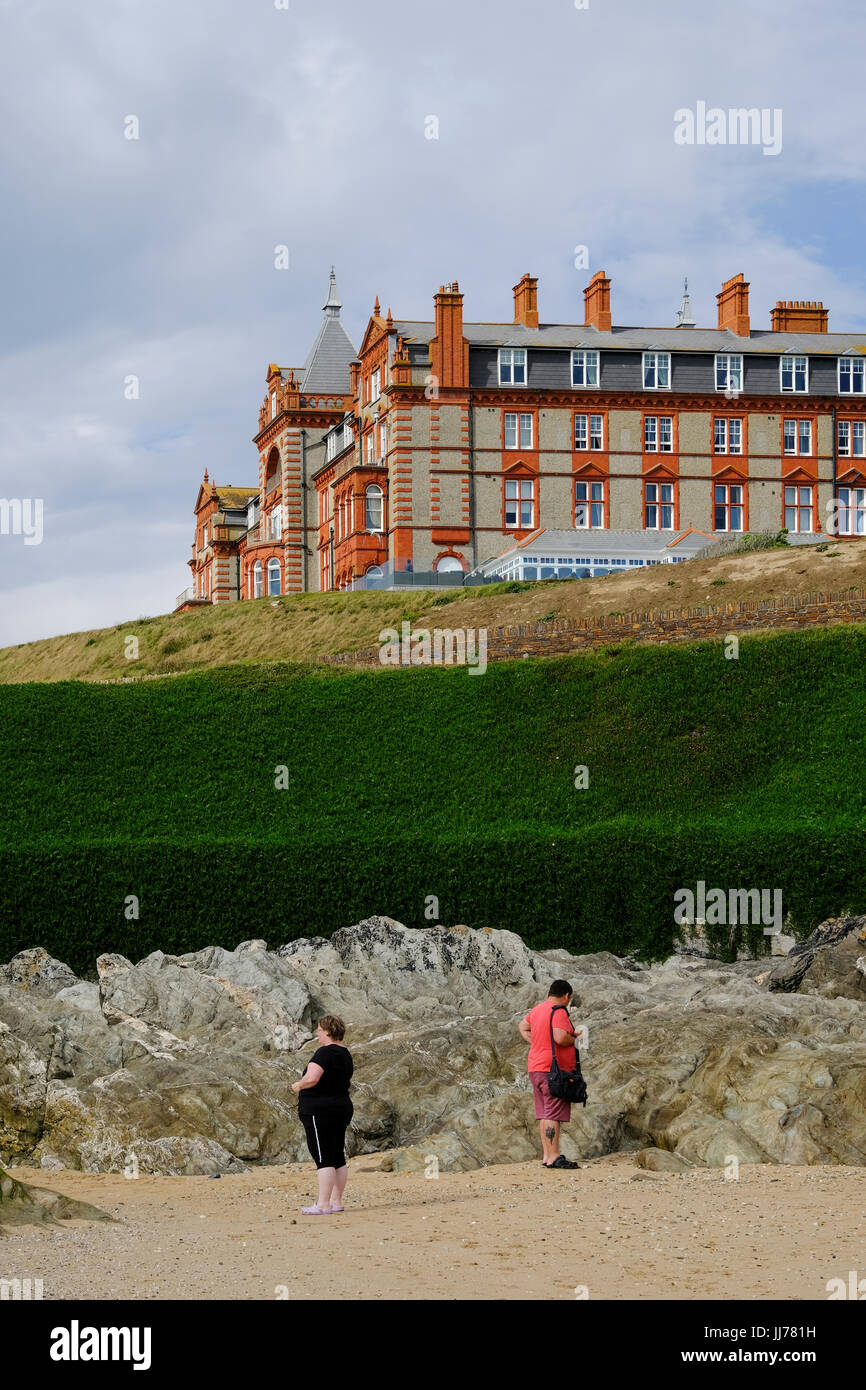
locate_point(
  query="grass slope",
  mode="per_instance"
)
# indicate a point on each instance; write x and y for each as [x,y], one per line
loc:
[303,627]
[410,783]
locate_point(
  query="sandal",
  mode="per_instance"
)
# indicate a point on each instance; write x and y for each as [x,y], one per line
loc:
[314,1210]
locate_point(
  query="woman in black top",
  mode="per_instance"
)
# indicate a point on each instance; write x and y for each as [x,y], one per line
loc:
[325,1110]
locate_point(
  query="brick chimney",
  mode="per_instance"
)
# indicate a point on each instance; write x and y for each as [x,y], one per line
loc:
[526,302]
[449,350]
[733,302]
[798,316]
[596,298]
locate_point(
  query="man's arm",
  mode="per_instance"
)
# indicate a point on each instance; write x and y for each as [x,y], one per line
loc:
[524,1030]
[564,1037]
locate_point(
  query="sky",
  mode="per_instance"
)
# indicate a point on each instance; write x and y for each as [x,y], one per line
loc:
[305,123]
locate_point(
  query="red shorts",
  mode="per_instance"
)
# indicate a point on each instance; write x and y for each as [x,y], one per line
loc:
[546,1107]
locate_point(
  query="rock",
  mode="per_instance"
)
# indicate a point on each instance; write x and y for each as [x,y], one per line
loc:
[826,963]
[183,1064]
[37,973]
[21,1204]
[660,1161]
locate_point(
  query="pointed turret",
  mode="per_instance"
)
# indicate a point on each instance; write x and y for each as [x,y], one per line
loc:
[333,304]
[684,313]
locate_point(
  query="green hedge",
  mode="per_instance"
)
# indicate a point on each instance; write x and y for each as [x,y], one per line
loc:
[608,888]
[409,783]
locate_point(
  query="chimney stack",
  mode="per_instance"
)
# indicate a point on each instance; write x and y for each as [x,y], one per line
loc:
[596,298]
[733,302]
[798,316]
[449,350]
[526,302]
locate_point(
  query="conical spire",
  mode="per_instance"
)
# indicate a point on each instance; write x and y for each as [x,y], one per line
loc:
[333,304]
[684,313]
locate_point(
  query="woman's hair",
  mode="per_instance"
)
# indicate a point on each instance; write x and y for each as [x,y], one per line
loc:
[333,1026]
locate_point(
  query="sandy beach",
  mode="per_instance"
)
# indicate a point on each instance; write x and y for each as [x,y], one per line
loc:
[607,1231]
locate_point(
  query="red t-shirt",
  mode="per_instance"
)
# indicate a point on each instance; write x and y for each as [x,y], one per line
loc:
[539,1049]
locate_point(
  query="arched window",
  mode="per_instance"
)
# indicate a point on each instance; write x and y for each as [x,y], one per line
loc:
[274,576]
[448,563]
[257,579]
[374,572]
[272,472]
[373,508]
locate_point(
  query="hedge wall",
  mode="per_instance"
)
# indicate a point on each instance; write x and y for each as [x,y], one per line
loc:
[602,889]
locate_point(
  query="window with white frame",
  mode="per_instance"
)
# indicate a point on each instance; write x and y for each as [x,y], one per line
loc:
[518,430]
[656,371]
[851,511]
[851,438]
[273,405]
[659,506]
[520,504]
[658,434]
[728,507]
[797,436]
[376,384]
[852,379]
[274,585]
[798,508]
[373,508]
[727,435]
[332,445]
[729,371]
[512,366]
[257,579]
[584,368]
[383,440]
[275,523]
[369,448]
[589,432]
[588,504]
[794,373]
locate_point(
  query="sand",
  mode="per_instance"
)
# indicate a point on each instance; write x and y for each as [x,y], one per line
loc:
[516,1231]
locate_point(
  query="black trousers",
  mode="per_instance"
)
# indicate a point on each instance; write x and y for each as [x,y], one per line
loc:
[326,1136]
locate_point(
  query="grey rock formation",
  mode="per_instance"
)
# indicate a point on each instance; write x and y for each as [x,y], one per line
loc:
[183,1064]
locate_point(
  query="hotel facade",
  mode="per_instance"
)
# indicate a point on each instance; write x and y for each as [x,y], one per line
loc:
[445,448]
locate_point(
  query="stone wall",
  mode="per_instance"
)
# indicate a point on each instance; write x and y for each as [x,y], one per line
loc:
[563,635]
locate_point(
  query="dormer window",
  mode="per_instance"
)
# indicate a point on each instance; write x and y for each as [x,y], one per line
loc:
[656,371]
[584,368]
[794,373]
[852,379]
[512,366]
[729,371]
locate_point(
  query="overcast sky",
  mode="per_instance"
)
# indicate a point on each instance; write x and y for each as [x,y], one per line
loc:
[261,126]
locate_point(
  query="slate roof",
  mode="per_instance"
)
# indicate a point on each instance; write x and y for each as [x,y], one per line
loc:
[556,335]
[327,366]
[235,498]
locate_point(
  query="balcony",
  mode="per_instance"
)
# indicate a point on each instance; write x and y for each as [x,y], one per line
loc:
[189,596]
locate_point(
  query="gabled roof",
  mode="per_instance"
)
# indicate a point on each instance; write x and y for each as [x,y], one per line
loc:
[327,366]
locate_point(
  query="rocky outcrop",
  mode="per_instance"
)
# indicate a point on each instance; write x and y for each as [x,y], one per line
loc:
[831,962]
[183,1064]
[23,1205]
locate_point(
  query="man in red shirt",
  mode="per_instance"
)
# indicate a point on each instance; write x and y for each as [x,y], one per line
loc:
[535,1029]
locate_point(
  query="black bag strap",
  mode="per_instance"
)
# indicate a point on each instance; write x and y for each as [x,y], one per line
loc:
[554,1063]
